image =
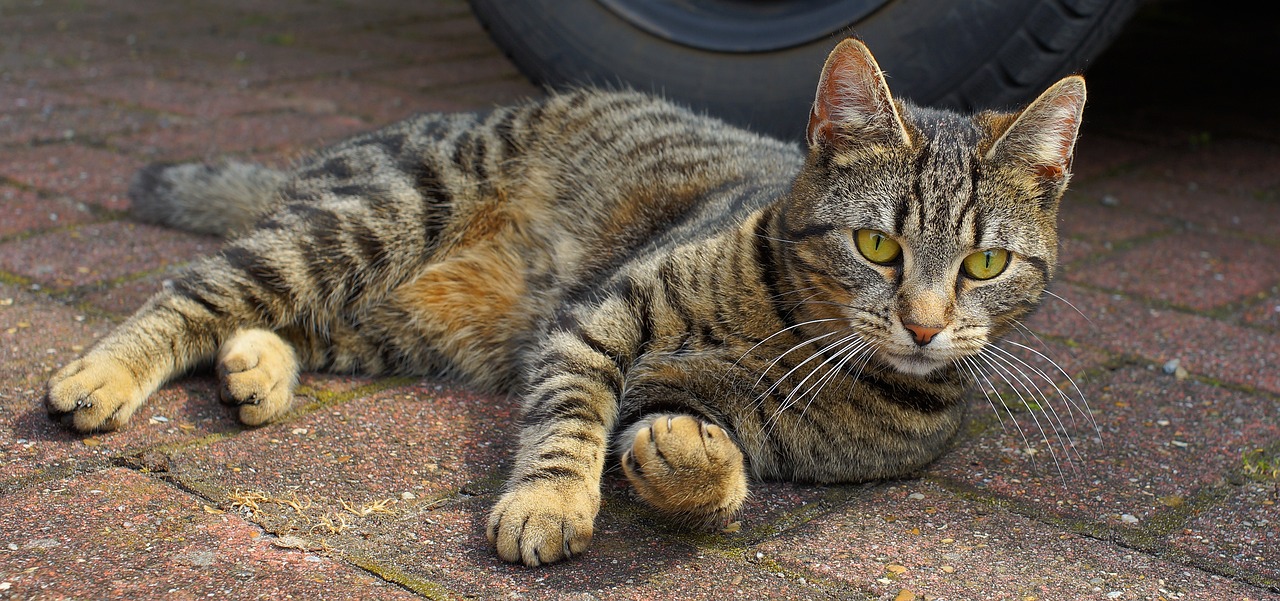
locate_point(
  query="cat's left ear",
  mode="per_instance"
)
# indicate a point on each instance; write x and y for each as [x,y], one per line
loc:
[1044,135]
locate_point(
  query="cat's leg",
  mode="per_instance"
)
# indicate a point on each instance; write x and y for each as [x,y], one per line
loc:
[259,370]
[685,467]
[347,237]
[549,505]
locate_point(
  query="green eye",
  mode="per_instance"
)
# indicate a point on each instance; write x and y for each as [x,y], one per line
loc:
[877,246]
[986,264]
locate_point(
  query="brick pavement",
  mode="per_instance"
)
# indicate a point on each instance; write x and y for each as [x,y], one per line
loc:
[377,488]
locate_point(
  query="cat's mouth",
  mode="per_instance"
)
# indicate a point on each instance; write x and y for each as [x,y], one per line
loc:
[918,363]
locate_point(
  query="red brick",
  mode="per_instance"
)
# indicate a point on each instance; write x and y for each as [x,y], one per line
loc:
[1158,440]
[885,542]
[88,175]
[64,123]
[1242,531]
[25,211]
[207,140]
[185,98]
[1099,155]
[1205,346]
[450,74]
[423,440]
[1191,269]
[394,48]
[376,103]
[99,252]
[447,546]
[121,534]
[1209,210]
[1265,313]
[1242,167]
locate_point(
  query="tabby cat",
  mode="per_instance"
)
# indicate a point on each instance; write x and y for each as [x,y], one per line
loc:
[696,302]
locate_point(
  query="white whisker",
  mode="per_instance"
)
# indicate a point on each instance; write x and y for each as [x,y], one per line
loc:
[1086,317]
[1060,428]
[1013,383]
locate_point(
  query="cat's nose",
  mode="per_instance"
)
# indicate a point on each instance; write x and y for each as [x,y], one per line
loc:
[922,334]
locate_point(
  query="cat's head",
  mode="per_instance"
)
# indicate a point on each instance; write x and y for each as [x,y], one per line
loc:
[929,232]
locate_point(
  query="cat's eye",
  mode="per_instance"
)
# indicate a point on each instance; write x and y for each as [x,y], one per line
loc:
[986,264]
[877,246]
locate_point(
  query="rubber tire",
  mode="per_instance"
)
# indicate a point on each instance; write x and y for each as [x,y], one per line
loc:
[964,55]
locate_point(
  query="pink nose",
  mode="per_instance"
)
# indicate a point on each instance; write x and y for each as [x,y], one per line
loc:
[922,334]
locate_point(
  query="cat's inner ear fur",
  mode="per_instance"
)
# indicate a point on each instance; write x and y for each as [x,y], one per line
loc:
[853,105]
[1043,136]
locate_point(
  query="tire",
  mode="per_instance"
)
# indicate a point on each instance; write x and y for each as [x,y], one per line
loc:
[963,55]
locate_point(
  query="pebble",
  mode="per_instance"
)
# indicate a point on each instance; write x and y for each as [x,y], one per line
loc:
[408,496]
[948,569]
[905,595]
[915,496]
[1110,201]
[1171,366]
[1129,519]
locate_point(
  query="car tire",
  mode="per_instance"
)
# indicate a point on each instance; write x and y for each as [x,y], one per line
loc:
[964,55]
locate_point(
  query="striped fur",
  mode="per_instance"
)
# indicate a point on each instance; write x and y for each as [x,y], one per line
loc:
[658,286]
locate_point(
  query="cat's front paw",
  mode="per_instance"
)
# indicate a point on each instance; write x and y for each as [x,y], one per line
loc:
[96,392]
[687,468]
[258,370]
[543,522]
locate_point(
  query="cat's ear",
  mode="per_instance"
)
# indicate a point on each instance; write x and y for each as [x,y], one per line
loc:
[1044,135]
[853,105]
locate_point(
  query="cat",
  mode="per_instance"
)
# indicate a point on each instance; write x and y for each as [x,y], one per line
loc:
[697,303]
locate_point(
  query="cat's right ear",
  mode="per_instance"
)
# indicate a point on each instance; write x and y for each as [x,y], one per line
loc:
[853,105]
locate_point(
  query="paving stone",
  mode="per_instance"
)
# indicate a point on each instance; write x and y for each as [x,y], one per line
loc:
[940,546]
[1203,209]
[121,534]
[1265,313]
[185,98]
[417,47]
[1244,167]
[88,175]
[434,75]
[1099,154]
[1204,346]
[30,326]
[64,123]
[25,211]
[276,132]
[377,103]
[239,62]
[424,440]
[500,92]
[1159,442]
[1197,270]
[1242,531]
[447,548]
[99,252]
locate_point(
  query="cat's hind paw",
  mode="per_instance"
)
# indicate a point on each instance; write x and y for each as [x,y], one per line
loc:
[686,467]
[258,370]
[95,392]
[543,522]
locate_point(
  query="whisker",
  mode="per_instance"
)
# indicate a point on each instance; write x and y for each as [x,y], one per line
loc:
[779,332]
[1060,428]
[768,368]
[972,369]
[787,402]
[785,241]
[1086,317]
[1070,404]
[1013,383]
[1021,433]
[1083,410]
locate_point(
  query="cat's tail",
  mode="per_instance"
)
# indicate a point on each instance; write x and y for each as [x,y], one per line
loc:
[210,198]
